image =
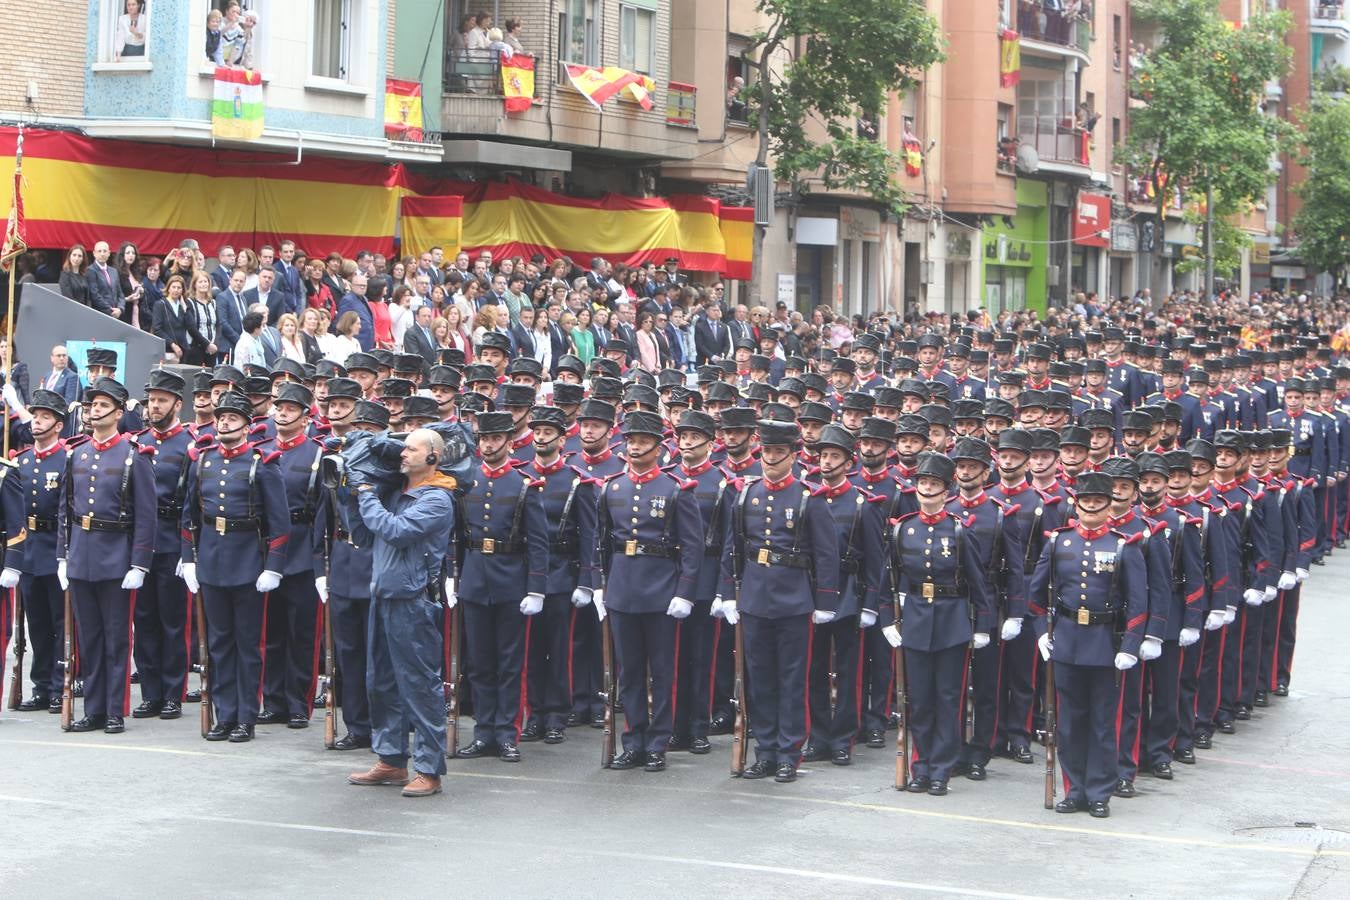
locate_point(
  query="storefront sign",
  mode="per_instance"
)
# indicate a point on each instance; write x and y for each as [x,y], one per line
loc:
[1092,220]
[1124,237]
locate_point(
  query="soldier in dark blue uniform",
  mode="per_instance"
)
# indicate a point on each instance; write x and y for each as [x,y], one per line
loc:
[736,427]
[203,422]
[235,529]
[99,362]
[650,539]
[564,495]
[935,579]
[786,570]
[106,525]
[502,544]
[163,608]
[700,632]
[40,476]
[1093,581]
[290,668]
[835,677]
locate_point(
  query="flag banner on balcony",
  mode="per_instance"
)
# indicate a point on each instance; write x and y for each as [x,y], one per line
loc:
[1009,58]
[738,235]
[402,110]
[598,85]
[237,109]
[913,151]
[427,222]
[517,82]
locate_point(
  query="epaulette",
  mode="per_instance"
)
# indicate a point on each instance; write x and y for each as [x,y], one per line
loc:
[605,478]
[259,428]
[1054,531]
[1193,520]
[908,489]
[267,457]
[905,517]
[874,498]
[81,439]
[686,485]
[193,452]
[149,451]
[1235,505]
[205,440]
[1131,538]
[1011,509]
[1158,525]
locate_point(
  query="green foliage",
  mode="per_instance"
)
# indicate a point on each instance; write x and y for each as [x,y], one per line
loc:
[833,62]
[1323,222]
[1229,239]
[1203,82]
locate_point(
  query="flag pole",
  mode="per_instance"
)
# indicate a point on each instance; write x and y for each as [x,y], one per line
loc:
[13,252]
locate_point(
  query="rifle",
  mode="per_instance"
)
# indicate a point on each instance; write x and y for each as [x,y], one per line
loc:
[610,690]
[20,647]
[329,686]
[901,694]
[1049,700]
[454,627]
[203,664]
[739,736]
[68,669]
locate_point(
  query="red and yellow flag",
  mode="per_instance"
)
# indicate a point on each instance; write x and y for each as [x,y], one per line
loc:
[14,241]
[1009,58]
[517,82]
[598,85]
[402,110]
[427,222]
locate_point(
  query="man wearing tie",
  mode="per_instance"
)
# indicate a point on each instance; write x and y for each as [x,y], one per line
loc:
[418,338]
[230,311]
[711,338]
[220,278]
[266,294]
[105,288]
[62,378]
[288,278]
[269,336]
[557,338]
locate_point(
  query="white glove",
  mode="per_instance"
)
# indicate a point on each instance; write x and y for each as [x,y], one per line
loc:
[892,635]
[1046,646]
[679,608]
[321,586]
[1269,594]
[1151,648]
[867,618]
[581,597]
[178,569]
[1011,629]
[1229,615]
[1287,581]
[1214,621]
[729,612]
[9,578]
[267,582]
[451,593]
[822,616]
[1301,575]
[189,576]
[598,598]
[531,604]
[1188,636]
[61,575]
[1126,661]
[133,580]
[716,610]
[1253,597]
[979,640]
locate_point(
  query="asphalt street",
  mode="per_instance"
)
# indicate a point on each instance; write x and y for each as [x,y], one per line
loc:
[157,812]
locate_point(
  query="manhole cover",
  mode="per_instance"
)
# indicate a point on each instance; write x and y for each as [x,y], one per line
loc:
[1299,833]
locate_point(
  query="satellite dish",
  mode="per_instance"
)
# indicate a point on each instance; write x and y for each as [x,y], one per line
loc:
[1028,160]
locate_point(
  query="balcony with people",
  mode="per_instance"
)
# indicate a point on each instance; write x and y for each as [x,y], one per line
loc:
[1050,122]
[1056,27]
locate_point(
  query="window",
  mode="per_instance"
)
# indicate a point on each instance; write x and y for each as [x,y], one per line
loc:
[1115,42]
[250,48]
[578,33]
[637,31]
[124,35]
[332,39]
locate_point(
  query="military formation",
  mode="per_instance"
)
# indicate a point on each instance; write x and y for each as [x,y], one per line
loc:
[986,542]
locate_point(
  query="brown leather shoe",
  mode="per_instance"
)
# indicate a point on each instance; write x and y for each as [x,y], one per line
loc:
[380,773]
[423,786]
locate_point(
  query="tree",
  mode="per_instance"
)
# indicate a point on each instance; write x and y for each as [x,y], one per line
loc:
[833,63]
[1229,239]
[1203,127]
[1324,220]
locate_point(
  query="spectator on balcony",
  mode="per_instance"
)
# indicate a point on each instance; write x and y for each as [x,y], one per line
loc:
[735,103]
[512,36]
[480,40]
[244,56]
[213,19]
[130,39]
[400,313]
[231,34]
[497,45]
[461,41]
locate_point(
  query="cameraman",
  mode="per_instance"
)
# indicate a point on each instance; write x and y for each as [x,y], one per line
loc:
[404,681]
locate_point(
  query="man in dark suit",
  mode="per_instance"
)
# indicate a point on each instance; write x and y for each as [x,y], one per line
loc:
[355,301]
[288,278]
[267,295]
[740,328]
[522,334]
[712,339]
[557,337]
[269,337]
[220,278]
[231,307]
[417,339]
[105,288]
[62,378]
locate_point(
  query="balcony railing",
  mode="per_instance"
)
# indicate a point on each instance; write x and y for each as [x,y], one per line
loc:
[476,72]
[1333,10]
[1038,20]
[1055,139]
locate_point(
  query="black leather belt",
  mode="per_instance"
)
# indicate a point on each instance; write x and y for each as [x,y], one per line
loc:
[222,525]
[492,547]
[169,512]
[341,534]
[301,515]
[930,591]
[36,524]
[848,566]
[638,548]
[1303,451]
[1084,616]
[89,523]
[766,557]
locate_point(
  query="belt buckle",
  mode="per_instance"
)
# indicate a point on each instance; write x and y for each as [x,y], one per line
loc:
[32,523]
[929,592]
[87,521]
[221,525]
[1084,616]
[763,557]
[630,548]
[489,546]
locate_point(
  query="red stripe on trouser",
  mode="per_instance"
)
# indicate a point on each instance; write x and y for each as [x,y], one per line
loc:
[571,634]
[1218,674]
[857,691]
[1139,719]
[1275,646]
[187,647]
[675,670]
[1120,708]
[712,666]
[524,679]
[314,665]
[806,694]
[131,638]
[998,698]
[965,699]
[262,651]
[1242,640]
[1031,707]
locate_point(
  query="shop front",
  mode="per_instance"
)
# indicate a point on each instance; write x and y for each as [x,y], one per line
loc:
[1013,253]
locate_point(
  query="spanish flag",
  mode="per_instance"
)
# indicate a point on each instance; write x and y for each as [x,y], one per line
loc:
[402,109]
[517,82]
[598,85]
[428,222]
[1009,58]
[237,110]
